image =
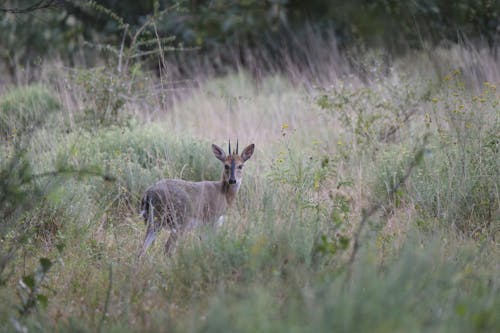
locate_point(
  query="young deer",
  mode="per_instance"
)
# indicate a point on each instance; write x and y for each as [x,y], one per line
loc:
[181,204]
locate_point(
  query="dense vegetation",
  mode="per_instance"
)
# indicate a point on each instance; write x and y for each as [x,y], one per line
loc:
[371,204]
[221,33]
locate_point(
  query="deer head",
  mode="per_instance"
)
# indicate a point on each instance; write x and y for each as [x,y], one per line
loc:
[233,163]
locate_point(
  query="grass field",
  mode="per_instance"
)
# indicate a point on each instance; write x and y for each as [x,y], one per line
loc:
[371,203]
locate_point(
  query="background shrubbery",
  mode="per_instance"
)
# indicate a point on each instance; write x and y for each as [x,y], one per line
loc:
[25,108]
[253,33]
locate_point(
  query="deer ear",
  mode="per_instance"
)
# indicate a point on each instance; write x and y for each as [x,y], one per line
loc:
[219,153]
[247,152]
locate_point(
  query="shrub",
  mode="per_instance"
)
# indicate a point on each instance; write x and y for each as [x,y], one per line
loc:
[459,182]
[456,183]
[25,108]
[105,95]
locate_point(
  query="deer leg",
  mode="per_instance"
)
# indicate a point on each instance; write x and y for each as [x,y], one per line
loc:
[220,221]
[170,244]
[153,225]
[148,240]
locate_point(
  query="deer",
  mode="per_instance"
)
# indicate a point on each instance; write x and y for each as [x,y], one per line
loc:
[181,205]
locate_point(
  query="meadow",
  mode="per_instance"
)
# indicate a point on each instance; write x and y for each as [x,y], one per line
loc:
[371,203]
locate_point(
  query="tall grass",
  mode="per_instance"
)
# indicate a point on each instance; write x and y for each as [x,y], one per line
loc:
[25,108]
[327,152]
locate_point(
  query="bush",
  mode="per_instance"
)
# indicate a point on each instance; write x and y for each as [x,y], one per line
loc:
[459,182]
[454,185]
[105,95]
[25,108]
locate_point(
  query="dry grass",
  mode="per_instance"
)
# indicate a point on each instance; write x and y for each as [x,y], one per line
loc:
[325,153]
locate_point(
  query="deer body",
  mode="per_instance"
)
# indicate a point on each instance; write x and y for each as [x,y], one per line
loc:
[180,205]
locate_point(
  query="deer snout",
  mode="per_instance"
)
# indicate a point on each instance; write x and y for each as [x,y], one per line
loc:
[232,181]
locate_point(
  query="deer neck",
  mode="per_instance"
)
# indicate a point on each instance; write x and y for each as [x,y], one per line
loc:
[230,191]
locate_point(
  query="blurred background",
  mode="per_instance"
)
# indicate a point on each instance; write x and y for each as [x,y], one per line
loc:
[255,35]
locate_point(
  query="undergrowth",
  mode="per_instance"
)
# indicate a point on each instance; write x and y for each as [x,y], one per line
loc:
[368,206]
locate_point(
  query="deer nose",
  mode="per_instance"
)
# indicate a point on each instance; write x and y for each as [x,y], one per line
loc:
[232,181]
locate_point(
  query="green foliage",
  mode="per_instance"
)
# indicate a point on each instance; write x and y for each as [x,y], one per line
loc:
[23,195]
[454,184]
[304,175]
[69,205]
[217,22]
[27,38]
[149,147]
[389,172]
[331,246]
[419,290]
[105,95]
[372,116]
[459,183]
[457,187]
[211,259]
[29,289]
[25,108]
[109,88]
[395,23]
[136,157]
[266,27]
[14,173]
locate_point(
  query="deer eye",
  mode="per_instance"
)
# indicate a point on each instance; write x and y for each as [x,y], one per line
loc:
[240,166]
[227,167]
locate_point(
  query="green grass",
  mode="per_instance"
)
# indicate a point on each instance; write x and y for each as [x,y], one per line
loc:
[326,154]
[25,108]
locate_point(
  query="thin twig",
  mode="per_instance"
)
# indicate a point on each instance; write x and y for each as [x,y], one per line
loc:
[161,54]
[108,297]
[120,56]
[86,172]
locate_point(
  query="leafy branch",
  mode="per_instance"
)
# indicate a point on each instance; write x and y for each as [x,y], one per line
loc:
[42,4]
